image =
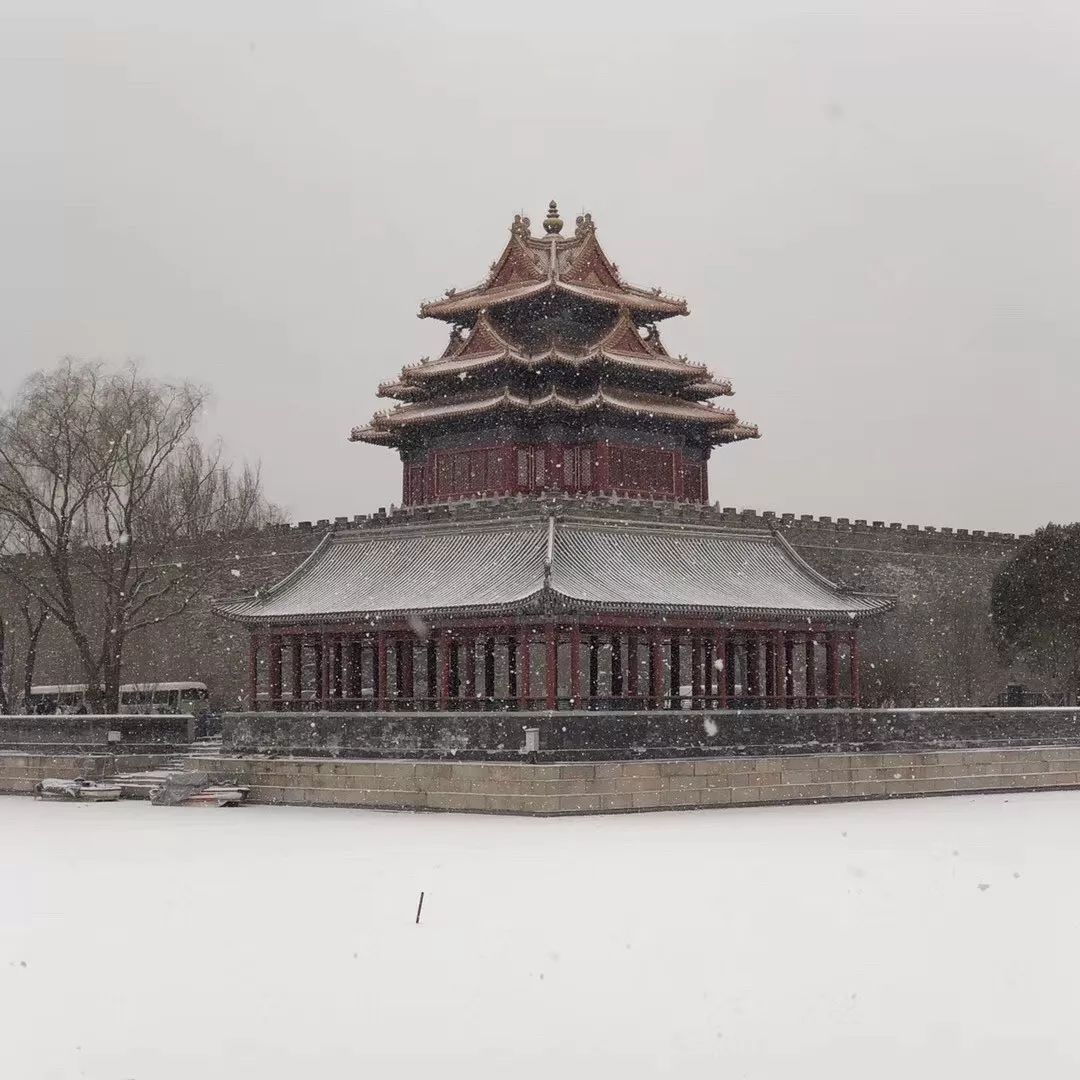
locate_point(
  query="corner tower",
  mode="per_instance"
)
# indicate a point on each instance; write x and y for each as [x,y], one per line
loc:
[554,379]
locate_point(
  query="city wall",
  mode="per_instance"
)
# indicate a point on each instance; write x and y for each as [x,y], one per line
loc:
[934,649]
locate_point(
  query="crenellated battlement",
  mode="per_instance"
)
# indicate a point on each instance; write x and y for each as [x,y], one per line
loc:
[686,512]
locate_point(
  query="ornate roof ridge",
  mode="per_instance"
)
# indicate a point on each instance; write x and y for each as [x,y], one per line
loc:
[541,270]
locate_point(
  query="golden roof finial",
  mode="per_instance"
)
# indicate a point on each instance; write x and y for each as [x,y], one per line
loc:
[553,223]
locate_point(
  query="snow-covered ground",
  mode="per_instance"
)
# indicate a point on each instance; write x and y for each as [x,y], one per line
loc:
[930,938]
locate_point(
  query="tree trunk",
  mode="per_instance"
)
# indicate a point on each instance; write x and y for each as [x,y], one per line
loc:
[5,705]
[34,624]
[111,681]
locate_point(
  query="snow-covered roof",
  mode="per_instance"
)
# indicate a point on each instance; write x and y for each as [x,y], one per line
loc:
[577,563]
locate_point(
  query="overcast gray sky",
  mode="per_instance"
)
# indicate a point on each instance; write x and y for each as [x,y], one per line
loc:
[874,217]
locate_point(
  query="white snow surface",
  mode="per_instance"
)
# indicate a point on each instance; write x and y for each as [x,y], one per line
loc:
[933,937]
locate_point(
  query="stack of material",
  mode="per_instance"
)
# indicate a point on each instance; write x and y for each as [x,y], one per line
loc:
[194,788]
[83,790]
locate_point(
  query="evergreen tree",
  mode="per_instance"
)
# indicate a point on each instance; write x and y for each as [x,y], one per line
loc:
[1035,605]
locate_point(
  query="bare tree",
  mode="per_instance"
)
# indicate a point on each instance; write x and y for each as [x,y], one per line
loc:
[104,489]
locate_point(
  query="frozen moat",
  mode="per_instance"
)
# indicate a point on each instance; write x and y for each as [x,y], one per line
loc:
[932,937]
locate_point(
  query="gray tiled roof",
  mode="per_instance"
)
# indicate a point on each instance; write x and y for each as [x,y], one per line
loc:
[577,564]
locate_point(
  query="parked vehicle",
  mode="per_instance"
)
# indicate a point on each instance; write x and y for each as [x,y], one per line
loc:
[148,697]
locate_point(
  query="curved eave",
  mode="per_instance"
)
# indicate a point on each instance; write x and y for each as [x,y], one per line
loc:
[451,367]
[470,301]
[227,609]
[375,436]
[841,618]
[330,617]
[399,390]
[468,304]
[738,432]
[683,411]
[709,389]
[637,300]
[564,602]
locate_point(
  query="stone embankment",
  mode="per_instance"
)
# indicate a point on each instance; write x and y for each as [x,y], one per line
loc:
[595,787]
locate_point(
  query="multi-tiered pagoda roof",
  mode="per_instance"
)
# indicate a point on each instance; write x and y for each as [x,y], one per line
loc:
[555,334]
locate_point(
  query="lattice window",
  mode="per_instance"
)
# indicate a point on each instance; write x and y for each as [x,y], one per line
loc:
[445,474]
[569,471]
[494,470]
[414,484]
[616,468]
[585,454]
[693,488]
[539,468]
[477,472]
[461,473]
[662,471]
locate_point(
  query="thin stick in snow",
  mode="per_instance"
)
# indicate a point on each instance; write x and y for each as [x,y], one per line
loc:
[419,907]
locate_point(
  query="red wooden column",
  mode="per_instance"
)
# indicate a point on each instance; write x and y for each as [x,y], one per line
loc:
[832,669]
[811,672]
[768,689]
[511,669]
[296,674]
[753,666]
[337,670]
[274,663]
[632,662]
[656,671]
[407,686]
[675,669]
[382,698]
[593,647]
[617,677]
[469,693]
[431,673]
[779,670]
[253,672]
[551,672]
[788,648]
[444,647]
[323,656]
[602,472]
[697,680]
[355,683]
[517,658]
[489,671]
[856,689]
[729,671]
[706,673]
[575,666]
[720,652]
[317,667]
